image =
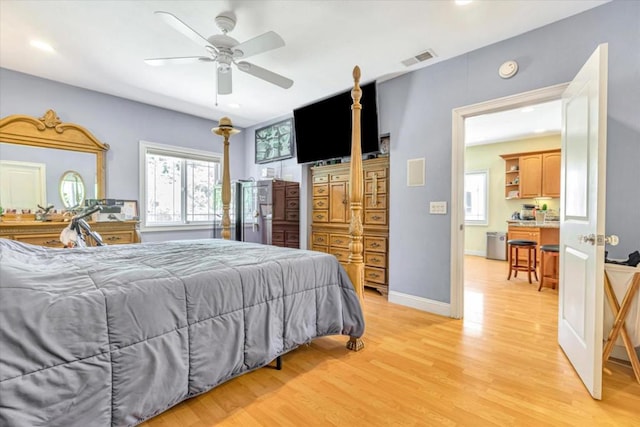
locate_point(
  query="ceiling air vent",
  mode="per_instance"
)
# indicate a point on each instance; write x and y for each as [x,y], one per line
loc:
[427,54]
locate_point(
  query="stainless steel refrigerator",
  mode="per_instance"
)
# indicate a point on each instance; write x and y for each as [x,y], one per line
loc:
[265,211]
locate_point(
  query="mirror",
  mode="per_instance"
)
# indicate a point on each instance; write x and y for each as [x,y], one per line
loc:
[34,138]
[72,190]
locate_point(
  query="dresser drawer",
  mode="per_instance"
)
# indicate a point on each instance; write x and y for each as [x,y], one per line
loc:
[381,201]
[375,217]
[319,248]
[375,274]
[320,190]
[340,177]
[292,215]
[320,178]
[49,240]
[375,244]
[277,237]
[320,203]
[320,216]
[339,240]
[381,173]
[341,254]
[375,259]
[320,239]
[292,236]
[382,186]
[292,191]
[117,237]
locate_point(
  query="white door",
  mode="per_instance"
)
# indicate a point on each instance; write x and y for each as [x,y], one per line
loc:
[22,185]
[584,130]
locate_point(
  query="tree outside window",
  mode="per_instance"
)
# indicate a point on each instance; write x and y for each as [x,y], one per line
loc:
[178,186]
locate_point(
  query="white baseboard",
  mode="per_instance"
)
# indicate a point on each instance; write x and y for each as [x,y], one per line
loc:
[476,253]
[424,304]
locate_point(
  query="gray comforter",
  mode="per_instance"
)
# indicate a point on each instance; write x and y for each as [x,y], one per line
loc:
[111,336]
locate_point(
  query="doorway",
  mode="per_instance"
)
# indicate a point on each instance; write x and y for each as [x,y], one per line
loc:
[458,172]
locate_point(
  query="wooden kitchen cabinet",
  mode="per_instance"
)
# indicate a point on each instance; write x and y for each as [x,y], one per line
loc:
[331,216]
[551,163]
[531,175]
[541,235]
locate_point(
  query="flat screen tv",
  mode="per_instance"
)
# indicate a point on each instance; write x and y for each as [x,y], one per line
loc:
[323,129]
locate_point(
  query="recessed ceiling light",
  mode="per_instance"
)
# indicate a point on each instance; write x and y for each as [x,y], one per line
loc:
[234,105]
[527,110]
[38,44]
[462,2]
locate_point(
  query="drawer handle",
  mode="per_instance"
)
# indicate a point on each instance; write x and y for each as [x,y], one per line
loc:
[376,217]
[319,240]
[375,245]
[320,190]
[113,238]
[320,203]
[319,216]
[52,242]
[376,275]
[375,259]
[338,241]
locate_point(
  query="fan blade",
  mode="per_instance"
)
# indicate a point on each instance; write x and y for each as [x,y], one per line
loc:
[265,74]
[183,28]
[179,60]
[224,82]
[267,41]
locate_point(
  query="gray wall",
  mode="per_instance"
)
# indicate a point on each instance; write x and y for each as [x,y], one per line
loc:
[121,124]
[416,110]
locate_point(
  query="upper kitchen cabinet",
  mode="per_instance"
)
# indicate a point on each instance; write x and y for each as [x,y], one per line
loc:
[531,175]
[551,174]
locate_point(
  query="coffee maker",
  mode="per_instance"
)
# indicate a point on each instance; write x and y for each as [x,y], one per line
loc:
[527,212]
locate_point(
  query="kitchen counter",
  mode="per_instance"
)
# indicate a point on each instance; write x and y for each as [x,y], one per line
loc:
[533,223]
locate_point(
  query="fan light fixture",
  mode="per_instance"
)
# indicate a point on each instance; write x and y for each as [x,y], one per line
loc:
[225,50]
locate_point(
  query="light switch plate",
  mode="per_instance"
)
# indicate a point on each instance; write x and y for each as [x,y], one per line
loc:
[438,208]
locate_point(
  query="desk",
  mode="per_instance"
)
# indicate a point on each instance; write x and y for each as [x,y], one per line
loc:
[622,319]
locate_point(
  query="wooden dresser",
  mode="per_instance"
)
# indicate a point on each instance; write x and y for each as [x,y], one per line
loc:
[48,233]
[331,216]
[286,214]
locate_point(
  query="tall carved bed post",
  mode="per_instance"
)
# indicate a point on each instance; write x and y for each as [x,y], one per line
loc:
[355,268]
[225,129]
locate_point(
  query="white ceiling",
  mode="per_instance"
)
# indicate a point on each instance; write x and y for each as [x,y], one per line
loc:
[101,45]
[531,121]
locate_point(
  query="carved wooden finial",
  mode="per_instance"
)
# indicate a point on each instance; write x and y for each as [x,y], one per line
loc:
[50,119]
[356,75]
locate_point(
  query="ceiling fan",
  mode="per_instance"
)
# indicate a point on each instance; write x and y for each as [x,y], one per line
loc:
[225,50]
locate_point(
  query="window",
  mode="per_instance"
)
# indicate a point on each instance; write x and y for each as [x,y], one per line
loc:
[476,197]
[178,186]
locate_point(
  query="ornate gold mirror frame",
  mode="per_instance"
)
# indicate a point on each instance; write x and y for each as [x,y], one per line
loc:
[49,132]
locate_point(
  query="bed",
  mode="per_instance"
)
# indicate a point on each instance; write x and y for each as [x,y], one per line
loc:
[114,335]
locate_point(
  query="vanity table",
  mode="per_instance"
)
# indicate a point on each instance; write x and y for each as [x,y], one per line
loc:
[48,233]
[62,142]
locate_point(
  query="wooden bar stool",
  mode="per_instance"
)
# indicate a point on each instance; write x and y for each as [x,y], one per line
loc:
[514,262]
[549,251]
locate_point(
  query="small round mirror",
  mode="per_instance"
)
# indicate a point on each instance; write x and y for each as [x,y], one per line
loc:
[72,191]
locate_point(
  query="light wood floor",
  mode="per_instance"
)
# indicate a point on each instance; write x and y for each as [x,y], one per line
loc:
[500,366]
